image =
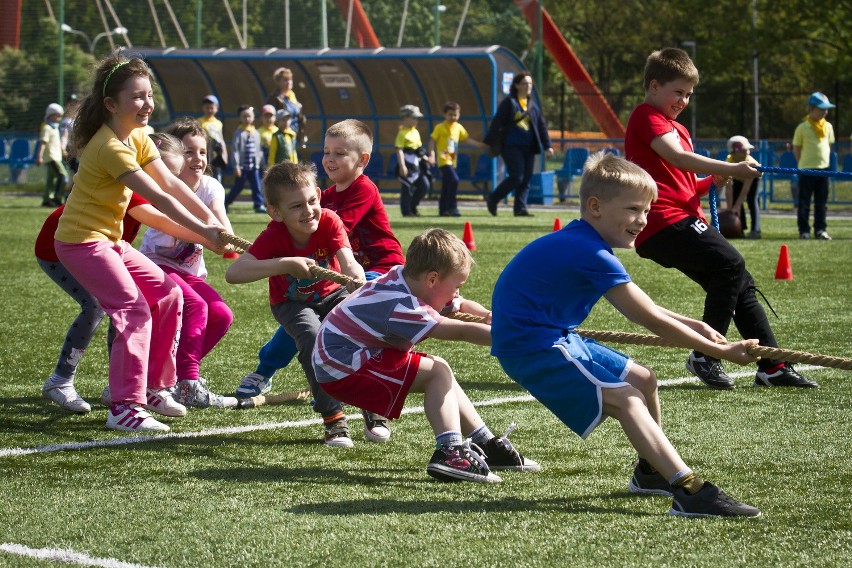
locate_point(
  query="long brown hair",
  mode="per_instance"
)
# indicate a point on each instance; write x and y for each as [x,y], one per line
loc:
[109,78]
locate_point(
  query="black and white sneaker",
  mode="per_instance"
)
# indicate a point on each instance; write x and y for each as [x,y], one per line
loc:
[711,501]
[460,463]
[648,483]
[709,371]
[786,376]
[500,454]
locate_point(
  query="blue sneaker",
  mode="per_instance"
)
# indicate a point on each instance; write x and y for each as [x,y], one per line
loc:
[253,384]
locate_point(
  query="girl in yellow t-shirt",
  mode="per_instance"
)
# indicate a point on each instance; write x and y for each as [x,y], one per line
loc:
[117,158]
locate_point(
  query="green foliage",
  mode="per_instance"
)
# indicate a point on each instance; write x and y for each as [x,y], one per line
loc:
[800,48]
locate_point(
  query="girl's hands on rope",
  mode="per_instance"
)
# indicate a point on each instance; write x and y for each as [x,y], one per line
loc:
[738,351]
[706,331]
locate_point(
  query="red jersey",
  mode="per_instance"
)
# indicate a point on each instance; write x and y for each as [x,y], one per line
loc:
[44,241]
[677,189]
[275,242]
[362,212]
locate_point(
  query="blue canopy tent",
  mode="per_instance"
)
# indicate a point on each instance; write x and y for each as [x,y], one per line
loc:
[334,84]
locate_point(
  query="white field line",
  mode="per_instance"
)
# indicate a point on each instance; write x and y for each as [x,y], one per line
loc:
[66,556]
[141,438]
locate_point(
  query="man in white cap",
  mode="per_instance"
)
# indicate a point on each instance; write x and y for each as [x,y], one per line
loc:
[812,142]
[49,153]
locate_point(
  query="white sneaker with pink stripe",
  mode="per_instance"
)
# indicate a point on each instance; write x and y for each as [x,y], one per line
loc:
[132,418]
[163,402]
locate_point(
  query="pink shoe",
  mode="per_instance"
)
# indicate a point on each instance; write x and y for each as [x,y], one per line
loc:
[132,418]
[163,402]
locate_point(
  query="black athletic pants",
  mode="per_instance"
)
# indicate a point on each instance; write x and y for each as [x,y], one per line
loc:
[706,257]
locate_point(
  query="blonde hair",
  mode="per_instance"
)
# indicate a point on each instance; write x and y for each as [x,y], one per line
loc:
[669,64]
[282,72]
[436,250]
[606,175]
[353,131]
[168,143]
[286,176]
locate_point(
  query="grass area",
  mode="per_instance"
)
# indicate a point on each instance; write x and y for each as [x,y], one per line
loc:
[276,496]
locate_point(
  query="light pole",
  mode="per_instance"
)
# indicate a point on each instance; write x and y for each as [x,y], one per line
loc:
[438,9]
[694,111]
[120,30]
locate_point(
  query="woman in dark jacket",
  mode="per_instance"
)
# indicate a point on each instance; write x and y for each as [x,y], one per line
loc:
[520,126]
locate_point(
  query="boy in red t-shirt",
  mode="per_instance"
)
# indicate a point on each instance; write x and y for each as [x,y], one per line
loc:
[301,234]
[679,236]
[356,200]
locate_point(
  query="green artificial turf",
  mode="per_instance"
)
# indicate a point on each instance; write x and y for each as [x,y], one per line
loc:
[275,496]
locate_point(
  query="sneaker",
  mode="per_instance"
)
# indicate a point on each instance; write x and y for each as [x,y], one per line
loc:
[253,384]
[710,371]
[649,483]
[754,235]
[804,236]
[260,209]
[823,236]
[131,418]
[196,394]
[337,434]
[786,376]
[65,395]
[460,463]
[163,402]
[709,502]
[501,455]
[376,427]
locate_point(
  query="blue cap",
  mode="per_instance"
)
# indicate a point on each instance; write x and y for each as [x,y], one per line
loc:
[819,100]
[211,99]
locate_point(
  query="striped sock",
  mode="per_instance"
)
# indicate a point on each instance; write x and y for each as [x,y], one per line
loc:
[449,438]
[481,435]
[334,417]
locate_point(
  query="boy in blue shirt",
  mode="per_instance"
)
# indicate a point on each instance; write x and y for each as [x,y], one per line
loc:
[550,287]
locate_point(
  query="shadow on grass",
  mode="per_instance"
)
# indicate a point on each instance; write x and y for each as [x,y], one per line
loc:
[574,505]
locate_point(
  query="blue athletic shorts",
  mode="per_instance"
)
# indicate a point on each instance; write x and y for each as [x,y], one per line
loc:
[568,378]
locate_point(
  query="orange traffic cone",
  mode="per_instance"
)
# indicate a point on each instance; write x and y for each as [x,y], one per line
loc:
[467,239]
[557,224]
[784,271]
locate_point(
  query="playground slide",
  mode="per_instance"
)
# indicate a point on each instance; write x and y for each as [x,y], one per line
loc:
[573,70]
[362,30]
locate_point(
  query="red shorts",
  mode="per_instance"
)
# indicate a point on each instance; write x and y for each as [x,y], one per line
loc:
[381,385]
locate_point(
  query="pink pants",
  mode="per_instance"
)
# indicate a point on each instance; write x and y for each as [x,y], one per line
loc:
[144,306]
[206,319]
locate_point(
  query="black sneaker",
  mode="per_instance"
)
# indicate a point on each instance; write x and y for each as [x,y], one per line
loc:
[709,502]
[786,376]
[500,454]
[460,463]
[649,483]
[709,371]
[337,434]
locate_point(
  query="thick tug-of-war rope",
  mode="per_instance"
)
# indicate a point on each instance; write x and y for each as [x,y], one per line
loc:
[656,341]
[272,399]
[613,336]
